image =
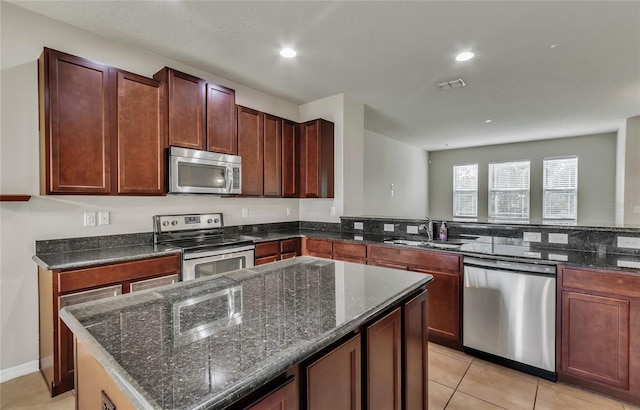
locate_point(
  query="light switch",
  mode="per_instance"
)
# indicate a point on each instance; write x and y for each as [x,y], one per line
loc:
[388,227]
[532,236]
[358,225]
[561,238]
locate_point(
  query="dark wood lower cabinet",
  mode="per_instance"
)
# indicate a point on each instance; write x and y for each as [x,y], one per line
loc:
[445,298]
[57,289]
[415,359]
[598,336]
[384,377]
[284,398]
[334,380]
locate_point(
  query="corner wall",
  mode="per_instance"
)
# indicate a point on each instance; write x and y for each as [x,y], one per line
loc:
[631,206]
[389,162]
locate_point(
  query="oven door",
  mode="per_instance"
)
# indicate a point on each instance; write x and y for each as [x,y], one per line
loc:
[215,262]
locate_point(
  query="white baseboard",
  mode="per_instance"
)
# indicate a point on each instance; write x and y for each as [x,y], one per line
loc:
[20,370]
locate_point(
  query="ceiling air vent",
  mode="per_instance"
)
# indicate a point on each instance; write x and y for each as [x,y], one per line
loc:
[447,85]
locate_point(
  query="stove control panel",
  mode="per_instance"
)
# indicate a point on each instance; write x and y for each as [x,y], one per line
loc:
[186,222]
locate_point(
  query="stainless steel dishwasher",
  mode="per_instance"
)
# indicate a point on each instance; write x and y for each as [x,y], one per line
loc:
[509,312]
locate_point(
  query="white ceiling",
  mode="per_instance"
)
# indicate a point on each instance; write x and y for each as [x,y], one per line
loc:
[391,55]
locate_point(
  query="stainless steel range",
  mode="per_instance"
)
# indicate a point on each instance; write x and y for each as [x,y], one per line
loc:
[206,250]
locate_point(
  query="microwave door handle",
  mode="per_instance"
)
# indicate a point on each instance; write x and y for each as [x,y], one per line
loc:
[229,178]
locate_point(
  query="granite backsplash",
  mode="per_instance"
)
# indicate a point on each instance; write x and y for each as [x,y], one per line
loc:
[590,239]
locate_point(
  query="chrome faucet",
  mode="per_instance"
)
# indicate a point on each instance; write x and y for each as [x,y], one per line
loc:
[428,227]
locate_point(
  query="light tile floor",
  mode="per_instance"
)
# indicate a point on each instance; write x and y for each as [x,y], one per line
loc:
[456,382]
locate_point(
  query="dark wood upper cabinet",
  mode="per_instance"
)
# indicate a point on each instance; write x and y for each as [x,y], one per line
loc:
[289,159]
[316,159]
[272,166]
[75,128]
[251,149]
[185,108]
[141,138]
[221,119]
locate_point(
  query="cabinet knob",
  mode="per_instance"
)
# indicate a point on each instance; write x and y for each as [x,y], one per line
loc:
[174,222]
[165,223]
[209,221]
[216,220]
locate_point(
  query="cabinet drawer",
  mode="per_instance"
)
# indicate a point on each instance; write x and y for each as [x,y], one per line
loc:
[439,261]
[288,255]
[153,283]
[290,245]
[89,295]
[350,249]
[267,249]
[119,272]
[620,284]
[319,246]
[388,265]
[266,259]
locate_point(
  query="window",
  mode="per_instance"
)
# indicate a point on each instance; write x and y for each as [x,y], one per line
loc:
[560,189]
[465,191]
[509,190]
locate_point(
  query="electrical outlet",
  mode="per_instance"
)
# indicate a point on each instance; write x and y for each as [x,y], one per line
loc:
[333,211]
[557,257]
[535,255]
[89,219]
[412,229]
[103,218]
[628,242]
[636,209]
[628,264]
[358,225]
[288,211]
[561,238]
[532,236]
[358,238]
[388,227]
[245,212]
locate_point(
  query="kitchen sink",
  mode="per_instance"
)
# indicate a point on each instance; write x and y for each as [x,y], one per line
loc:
[424,244]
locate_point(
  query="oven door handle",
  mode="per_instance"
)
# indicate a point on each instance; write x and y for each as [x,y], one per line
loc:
[225,251]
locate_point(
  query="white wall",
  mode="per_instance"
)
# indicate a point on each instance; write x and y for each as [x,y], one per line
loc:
[621,142]
[388,162]
[23,36]
[632,173]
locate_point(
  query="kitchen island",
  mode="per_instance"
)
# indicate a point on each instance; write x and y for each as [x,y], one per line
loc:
[231,340]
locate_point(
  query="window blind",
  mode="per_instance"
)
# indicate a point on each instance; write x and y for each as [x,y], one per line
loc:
[560,188]
[509,190]
[465,191]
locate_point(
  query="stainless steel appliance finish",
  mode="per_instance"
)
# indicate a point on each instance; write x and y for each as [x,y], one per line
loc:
[509,312]
[206,250]
[202,172]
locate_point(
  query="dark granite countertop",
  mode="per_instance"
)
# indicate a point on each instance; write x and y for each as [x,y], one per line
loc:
[206,343]
[101,256]
[486,246]
[508,249]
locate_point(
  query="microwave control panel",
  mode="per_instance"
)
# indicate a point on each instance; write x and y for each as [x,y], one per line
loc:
[172,223]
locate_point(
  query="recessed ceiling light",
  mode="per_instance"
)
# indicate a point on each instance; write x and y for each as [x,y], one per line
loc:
[467,55]
[554,45]
[487,121]
[288,52]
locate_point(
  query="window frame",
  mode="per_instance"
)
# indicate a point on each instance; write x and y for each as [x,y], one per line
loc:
[490,209]
[466,191]
[574,191]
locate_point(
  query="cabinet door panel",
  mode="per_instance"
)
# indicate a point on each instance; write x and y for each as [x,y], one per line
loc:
[290,245]
[77,129]
[353,250]
[186,101]
[444,305]
[318,246]
[334,381]
[272,155]
[289,158]
[595,338]
[309,161]
[384,378]
[221,120]
[416,351]
[285,398]
[141,137]
[267,249]
[250,148]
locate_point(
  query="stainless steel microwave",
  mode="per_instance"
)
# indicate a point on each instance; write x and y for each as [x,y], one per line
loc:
[201,172]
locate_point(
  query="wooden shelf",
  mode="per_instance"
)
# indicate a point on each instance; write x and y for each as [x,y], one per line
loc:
[14,198]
